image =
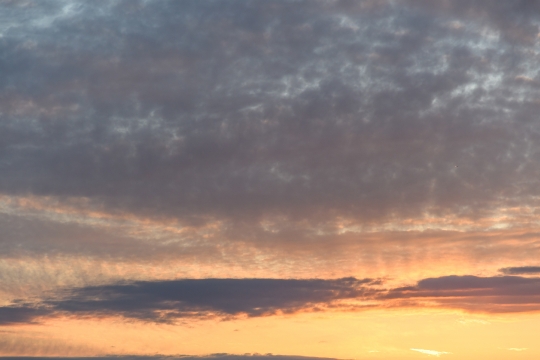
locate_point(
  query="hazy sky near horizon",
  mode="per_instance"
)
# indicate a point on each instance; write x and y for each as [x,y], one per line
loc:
[334,179]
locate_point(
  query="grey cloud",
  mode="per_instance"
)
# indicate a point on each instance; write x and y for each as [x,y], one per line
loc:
[515,19]
[235,110]
[521,270]
[26,235]
[172,300]
[167,301]
[17,314]
[499,294]
[473,282]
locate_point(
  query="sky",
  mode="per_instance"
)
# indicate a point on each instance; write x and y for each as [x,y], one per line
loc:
[270,180]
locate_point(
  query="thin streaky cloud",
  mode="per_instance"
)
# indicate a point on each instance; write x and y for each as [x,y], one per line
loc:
[431,352]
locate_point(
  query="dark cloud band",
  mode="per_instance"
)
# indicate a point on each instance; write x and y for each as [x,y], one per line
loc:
[165,301]
[168,301]
[521,270]
[499,294]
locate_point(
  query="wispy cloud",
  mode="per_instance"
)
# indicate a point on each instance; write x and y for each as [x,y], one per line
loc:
[431,352]
[473,322]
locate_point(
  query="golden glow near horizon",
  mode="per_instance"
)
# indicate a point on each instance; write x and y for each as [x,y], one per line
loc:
[367,335]
[349,332]
[323,179]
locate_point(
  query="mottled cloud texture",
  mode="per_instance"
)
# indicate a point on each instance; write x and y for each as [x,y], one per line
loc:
[208,131]
[236,111]
[168,160]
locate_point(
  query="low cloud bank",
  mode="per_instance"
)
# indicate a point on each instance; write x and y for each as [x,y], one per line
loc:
[168,301]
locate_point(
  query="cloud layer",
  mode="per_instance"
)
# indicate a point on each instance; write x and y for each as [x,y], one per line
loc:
[235,111]
[311,131]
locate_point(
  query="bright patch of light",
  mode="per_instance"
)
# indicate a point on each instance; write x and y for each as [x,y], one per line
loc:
[431,352]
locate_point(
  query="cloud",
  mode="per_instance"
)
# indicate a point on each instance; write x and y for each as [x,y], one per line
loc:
[166,301]
[20,314]
[499,294]
[521,270]
[309,111]
[309,133]
[431,352]
[513,20]
[473,321]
